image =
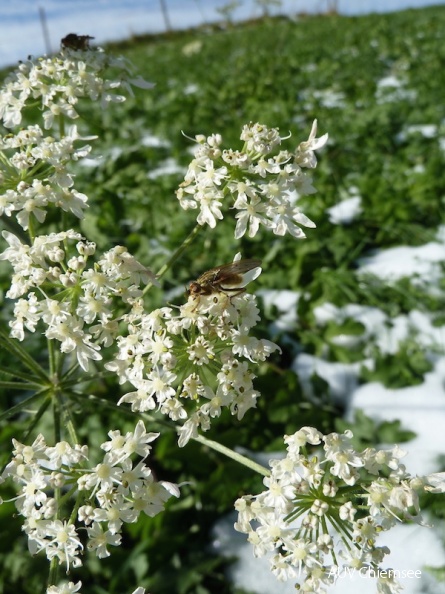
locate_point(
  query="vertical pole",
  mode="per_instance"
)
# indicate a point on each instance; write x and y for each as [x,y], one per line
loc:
[201,11]
[165,15]
[43,22]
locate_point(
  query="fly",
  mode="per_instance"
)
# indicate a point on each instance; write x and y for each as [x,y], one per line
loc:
[229,279]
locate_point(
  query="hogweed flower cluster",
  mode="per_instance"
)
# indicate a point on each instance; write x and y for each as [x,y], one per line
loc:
[77,302]
[327,510]
[191,364]
[109,494]
[34,165]
[34,174]
[260,184]
[59,82]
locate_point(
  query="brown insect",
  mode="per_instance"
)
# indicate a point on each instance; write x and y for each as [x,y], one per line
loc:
[229,279]
[76,42]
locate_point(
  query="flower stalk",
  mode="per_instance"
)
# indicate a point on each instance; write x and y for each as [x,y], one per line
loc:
[229,453]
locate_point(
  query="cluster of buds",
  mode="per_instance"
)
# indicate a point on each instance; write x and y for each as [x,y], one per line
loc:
[262,187]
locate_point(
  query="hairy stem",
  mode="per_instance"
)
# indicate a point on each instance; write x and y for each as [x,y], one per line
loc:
[181,249]
[233,455]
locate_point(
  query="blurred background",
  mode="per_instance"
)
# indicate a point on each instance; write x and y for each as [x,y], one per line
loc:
[34,27]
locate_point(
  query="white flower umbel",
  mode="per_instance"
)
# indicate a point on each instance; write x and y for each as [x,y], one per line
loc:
[76,301]
[258,182]
[58,83]
[115,492]
[35,174]
[35,163]
[326,510]
[193,364]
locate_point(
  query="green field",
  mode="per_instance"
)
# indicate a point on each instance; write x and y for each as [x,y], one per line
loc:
[372,83]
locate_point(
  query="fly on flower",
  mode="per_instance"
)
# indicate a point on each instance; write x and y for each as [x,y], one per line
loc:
[229,279]
[76,42]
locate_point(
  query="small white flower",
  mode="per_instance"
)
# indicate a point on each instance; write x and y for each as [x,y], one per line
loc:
[63,454]
[435,482]
[103,475]
[249,216]
[100,539]
[210,210]
[65,588]
[201,351]
[301,438]
[59,540]
[132,443]
[344,464]
[305,152]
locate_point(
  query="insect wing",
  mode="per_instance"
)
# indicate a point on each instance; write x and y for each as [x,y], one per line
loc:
[237,274]
[251,274]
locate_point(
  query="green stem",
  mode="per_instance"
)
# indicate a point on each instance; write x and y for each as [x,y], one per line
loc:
[65,227]
[69,424]
[19,385]
[56,393]
[53,572]
[13,346]
[181,249]
[61,125]
[79,500]
[65,376]
[56,417]
[23,404]
[326,531]
[36,419]
[52,358]
[234,455]
[31,232]
[200,439]
[67,495]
